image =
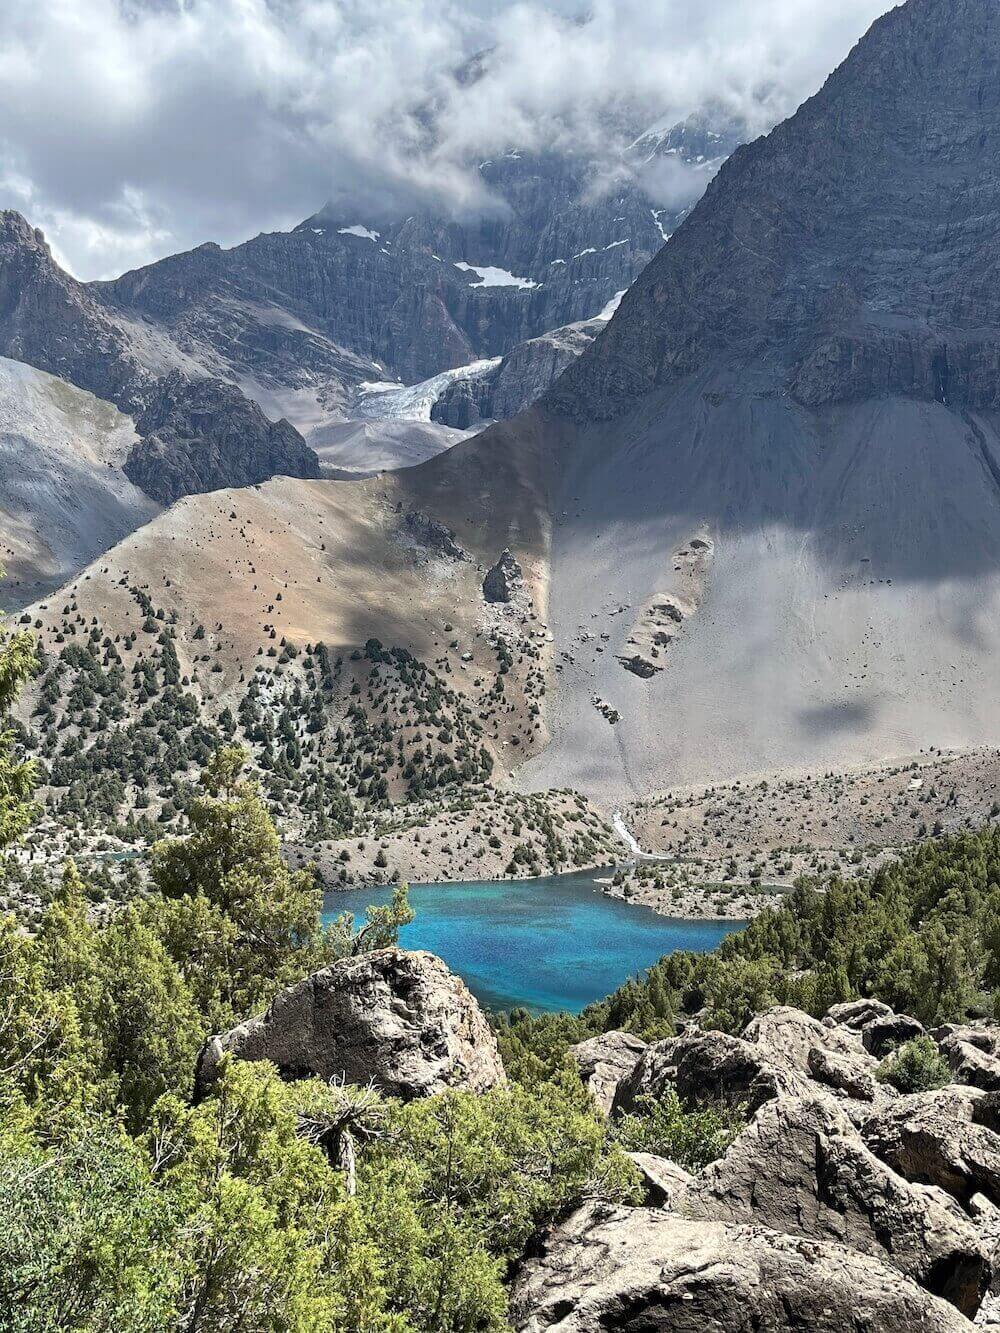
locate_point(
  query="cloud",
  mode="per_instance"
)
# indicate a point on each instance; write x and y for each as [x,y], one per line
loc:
[133,128]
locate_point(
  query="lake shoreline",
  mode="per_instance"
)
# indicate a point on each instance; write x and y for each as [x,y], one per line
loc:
[693,906]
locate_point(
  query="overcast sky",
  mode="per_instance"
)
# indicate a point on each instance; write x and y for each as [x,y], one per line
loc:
[130,129]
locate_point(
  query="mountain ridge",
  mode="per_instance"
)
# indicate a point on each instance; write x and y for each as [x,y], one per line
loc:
[871,303]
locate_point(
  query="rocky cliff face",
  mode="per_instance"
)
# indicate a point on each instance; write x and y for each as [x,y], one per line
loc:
[203,434]
[196,433]
[848,254]
[527,372]
[415,296]
[52,322]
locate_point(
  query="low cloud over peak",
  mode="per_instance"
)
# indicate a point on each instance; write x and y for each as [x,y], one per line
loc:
[130,129]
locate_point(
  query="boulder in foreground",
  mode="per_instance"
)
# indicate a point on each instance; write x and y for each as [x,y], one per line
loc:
[638,1269]
[399,1020]
[801,1167]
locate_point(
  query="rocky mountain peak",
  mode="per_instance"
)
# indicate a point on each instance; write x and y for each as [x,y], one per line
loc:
[17,230]
[51,321]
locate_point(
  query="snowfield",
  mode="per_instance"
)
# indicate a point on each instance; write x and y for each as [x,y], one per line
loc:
[495,277]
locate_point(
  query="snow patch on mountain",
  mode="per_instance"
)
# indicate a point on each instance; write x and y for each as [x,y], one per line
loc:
[358,230]
[495,277]
[611,306]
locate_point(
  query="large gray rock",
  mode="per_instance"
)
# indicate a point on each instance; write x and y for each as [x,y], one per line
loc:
[706,1067]
[834,1056]
[973,1054]
[787,1036]
[879,1029]
[855,1014]
[801,1167]
[399,1020]
[935,1137]
[845,1074]
[662,1178]
[883,1035]
[604,1061]
[644,1271]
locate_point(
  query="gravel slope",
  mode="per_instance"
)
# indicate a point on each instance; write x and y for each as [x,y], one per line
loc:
[63,496]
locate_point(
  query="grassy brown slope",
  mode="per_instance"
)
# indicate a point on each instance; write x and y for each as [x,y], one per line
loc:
[240,573]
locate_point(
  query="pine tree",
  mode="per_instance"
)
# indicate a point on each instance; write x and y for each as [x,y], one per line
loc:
[17,662]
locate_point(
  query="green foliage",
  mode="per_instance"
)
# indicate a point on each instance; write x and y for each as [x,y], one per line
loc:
[692,1139]
[222,1219]
[460,1182]
[382,924]
[17,661]
[232,915]
[917,1066]
[227,1216]
[533,1046]
[84,1243]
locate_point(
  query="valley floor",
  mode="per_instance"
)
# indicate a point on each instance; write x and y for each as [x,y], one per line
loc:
[722,852]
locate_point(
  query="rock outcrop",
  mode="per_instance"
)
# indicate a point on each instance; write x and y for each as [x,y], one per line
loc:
[604,1061]
[399,1020]
[54,323]
[706,1067]
[204,434]
[608,1269]
[802,1168]
[663,1179]
[504,579]
[939,1138]
[433,535]
[829,1054]
[973,1054]
[831,1154]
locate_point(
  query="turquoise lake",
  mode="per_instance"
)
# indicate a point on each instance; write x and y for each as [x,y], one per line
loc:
[553,943]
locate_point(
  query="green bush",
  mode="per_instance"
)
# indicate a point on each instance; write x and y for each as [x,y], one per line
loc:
[692,1139]
[917,1066]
